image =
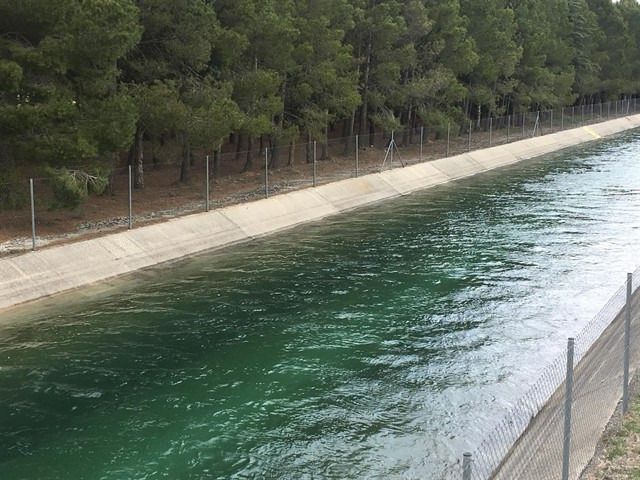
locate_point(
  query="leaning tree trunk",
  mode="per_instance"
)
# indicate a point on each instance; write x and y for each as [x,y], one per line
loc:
[138,159]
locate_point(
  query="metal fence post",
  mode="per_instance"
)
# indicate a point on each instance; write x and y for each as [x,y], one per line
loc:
[508,127]
[315,162]
[357,153]
[524,119]
[582,115]
[562,119]
[568,400]
[130,201]
[470,127]
[627,342]
[421,142]
[551,127]
[266,173]
[448,137]
[466,466]
[206,203]
[33,216]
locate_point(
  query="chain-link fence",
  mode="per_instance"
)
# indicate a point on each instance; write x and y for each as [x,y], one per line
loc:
[553,430]
[248,169]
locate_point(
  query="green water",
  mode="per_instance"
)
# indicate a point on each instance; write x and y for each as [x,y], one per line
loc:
[378,344]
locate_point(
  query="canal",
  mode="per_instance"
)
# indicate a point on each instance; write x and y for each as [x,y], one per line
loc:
[379,343]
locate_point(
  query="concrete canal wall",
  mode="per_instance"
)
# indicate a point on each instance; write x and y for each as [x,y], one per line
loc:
[54,270]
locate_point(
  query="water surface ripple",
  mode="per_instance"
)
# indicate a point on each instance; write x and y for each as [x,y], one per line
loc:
[378,344]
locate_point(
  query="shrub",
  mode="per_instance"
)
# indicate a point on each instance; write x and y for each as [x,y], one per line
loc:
[72,187]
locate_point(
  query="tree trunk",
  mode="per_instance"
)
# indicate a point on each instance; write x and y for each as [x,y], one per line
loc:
[111,183]
[292,153]
[372,134]
[185,173]
[155,159]
[274,153]
[325,144]
[309,149]
[407,138]
[349,143]
[364,111]
[239,148]
[216,161]
[248,164]
[138,160]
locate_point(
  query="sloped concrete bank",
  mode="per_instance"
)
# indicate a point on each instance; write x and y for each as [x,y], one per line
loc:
[54,270]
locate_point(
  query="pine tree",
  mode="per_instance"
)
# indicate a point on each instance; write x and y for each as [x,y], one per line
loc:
[60,102]
[493,29]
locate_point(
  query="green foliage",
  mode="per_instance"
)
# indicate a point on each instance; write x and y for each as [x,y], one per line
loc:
[615,48]
[58,75]
[213,116]
[68,191]
[72,187]
[586,36]
[546,74]
[80,80]
[493,30]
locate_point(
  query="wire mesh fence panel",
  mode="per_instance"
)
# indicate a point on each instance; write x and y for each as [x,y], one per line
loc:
[635,324]
[15,217]
[236,179]
[528,441]
[409,144]
[169,190]
[373,153]
[336,159]
[504,453]
[52,210]
[596,392]
[246,169]
[501,130]
[459,139]
[453,472]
